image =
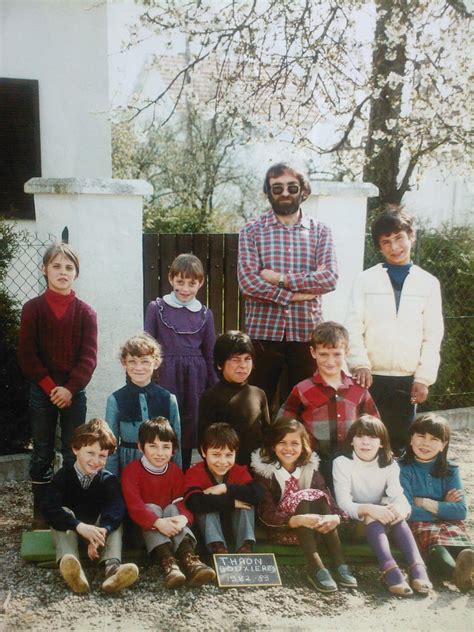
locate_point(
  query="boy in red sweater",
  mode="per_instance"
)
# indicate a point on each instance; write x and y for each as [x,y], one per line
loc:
[221,494]
[153,489]
[57,352]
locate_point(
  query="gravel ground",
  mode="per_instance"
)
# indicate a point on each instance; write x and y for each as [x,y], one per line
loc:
[40,601]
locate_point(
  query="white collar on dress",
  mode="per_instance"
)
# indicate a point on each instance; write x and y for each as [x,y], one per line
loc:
[283,475]
[193,305]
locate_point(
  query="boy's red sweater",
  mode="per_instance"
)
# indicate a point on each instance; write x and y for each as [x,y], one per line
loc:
[240,486]
[58,351]
[140,487]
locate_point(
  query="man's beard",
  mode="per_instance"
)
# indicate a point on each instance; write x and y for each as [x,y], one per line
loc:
[285,209]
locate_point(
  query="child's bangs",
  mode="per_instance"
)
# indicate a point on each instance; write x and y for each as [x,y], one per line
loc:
[369,428]
[431,424]
[187,266]
[139,346]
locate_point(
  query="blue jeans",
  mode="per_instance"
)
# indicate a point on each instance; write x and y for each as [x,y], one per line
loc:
[392,396]
[44,418]
[243,526]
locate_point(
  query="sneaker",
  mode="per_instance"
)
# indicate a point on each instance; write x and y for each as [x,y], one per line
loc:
[344,577]
[217,548]
[322,580]
[124,576]
[173,577]
[197,573]
[463,573]
[247,547]
[71,570]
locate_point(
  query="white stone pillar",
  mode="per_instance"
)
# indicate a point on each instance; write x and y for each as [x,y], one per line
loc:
[343,207]
[104,222]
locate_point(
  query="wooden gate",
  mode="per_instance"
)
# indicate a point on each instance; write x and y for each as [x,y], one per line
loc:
[218,253]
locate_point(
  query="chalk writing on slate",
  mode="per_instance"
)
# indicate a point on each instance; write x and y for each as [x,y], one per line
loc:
[256,569]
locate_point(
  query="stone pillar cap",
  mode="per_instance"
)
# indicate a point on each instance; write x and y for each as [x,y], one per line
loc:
[88,186]
[343,189]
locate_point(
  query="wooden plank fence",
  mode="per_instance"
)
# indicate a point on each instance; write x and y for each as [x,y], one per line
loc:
[219,255]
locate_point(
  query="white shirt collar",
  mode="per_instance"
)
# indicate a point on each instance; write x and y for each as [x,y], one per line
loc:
[193,305]
[282,475]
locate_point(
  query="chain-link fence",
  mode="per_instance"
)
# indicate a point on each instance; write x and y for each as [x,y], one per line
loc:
[448,254]
[20,279]
[24,279]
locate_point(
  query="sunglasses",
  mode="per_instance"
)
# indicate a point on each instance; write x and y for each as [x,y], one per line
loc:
[277,189]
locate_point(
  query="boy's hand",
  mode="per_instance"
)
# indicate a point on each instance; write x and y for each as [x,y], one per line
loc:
[61,397]
[239,504]
[167,526]
[179,521]
[419,393]
[92,552]
[454,496]
[95,535]
[217,490]
[363,377]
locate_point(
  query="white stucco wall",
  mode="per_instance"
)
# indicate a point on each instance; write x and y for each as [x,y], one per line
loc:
[104,220]
[63,44]
[343,207]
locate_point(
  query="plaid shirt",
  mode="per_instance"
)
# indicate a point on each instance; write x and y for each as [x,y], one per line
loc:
[296,251]
[328,413]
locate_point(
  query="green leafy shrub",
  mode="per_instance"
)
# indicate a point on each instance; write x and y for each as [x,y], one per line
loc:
[14,419]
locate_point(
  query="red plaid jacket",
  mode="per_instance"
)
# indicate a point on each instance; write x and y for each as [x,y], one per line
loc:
[328,413]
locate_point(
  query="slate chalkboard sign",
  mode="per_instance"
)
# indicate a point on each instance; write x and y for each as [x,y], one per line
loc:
[255,569]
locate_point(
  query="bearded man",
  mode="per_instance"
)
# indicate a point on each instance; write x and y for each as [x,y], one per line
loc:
[286,262]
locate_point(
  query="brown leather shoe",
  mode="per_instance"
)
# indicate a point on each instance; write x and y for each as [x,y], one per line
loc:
[197,573]
[172,575]
[217,548]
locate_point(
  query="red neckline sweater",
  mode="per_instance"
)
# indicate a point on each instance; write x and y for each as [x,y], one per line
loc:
[58,351]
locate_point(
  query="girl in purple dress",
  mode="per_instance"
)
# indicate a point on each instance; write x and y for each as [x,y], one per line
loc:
[185,330]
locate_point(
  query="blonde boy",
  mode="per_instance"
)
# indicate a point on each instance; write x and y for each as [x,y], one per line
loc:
[330,401]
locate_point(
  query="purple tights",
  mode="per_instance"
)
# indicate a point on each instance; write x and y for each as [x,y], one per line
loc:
[403,537]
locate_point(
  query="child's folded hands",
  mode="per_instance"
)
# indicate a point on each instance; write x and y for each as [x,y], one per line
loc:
[168,526]
[217,490]
[454,496]
[92,552]
[239,504]
[95,535]
[61,397]
[327,523]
